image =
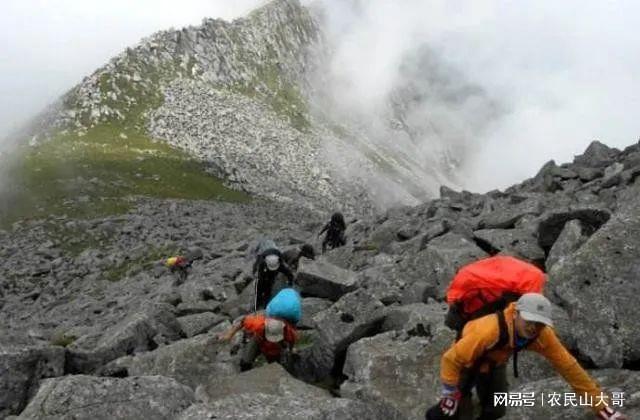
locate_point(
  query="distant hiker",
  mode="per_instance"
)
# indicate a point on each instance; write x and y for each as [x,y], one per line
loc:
[269,262]
[335,232]
[272,337]
[179,265]
[292,256]
[478,359]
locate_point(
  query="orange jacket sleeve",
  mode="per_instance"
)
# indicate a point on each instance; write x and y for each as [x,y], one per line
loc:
[566,365]
[477,337]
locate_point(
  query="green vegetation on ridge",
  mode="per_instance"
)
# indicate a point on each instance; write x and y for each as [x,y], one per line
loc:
[98,173]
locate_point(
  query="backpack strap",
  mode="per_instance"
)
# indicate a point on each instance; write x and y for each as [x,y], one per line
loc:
[503,335]
[503,339]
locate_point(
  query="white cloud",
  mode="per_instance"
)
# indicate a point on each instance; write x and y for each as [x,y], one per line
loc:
[562,71]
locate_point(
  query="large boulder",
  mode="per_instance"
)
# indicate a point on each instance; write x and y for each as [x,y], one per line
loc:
[598,285]
[597,155]
[433,268]
[142,331]
[82,397]
[324,280]
[20,371]
[386,281]
[260,406]
[569,240]
[417,319]
[310,307]
[505,214]
[271,379]
[517,242]
[399,370]
[199,323]
[356,315]
[190,362]
[544,391]
[552,223]
[352,256]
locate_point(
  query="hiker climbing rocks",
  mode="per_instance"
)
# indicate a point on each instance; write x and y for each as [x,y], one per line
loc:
[292,256]
[335,232]
[272,337]
[478,359]
[269,262]
[179,265]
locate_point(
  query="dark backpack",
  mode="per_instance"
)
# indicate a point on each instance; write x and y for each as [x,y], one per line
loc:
[487,286]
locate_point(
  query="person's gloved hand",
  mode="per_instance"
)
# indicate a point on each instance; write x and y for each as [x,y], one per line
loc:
[447,407]
[449,400]
[609,413]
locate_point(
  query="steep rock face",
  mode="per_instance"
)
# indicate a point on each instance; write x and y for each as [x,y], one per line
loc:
[87,397]
[598,285]
[256,150]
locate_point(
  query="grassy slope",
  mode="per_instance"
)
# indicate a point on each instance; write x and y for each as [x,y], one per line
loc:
[96,174]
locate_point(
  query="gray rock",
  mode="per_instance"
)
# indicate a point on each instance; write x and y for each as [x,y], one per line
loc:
[570,239]
[545,180]
[355,315]
[21,369]
[141,331]
[516,242]
[386,282]
[89,397]
[310,307]
[505,215]
[400,371]
[588,174]
[197,307]
[418,319]
[270,379]
[318,278]
[190,362]
[596,155]
[433,231]
[623,381]
[552,223]
[564,173]
[597,285]
[199,323]
[442,258]
[612,175]
[259,406]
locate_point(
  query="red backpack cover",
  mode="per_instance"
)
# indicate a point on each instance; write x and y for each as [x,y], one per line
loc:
[487,285]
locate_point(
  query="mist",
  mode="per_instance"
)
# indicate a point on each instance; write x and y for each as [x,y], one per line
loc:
[542,79]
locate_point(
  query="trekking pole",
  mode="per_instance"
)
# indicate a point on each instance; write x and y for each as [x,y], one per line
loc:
[255,294]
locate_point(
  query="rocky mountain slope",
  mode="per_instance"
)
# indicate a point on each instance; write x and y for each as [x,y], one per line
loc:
[250,100]
[93,326]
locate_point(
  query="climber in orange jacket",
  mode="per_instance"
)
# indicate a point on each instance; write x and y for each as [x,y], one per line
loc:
[480,355]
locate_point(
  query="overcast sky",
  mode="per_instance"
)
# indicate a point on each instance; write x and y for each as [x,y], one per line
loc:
[565,70]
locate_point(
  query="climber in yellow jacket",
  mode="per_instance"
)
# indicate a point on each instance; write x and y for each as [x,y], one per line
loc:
[480,355]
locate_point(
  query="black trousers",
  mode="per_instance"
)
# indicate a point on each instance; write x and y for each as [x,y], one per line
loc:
[263,290]
[485,384]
